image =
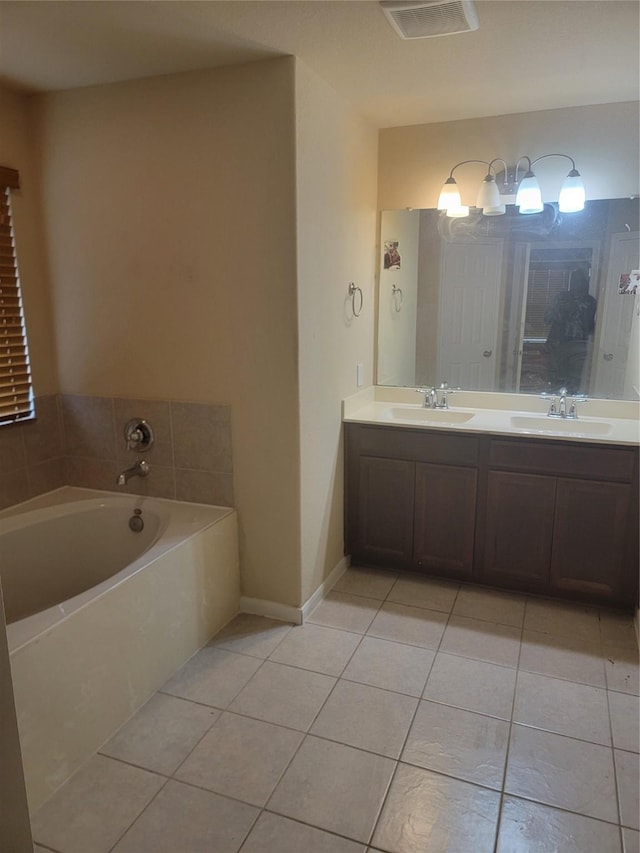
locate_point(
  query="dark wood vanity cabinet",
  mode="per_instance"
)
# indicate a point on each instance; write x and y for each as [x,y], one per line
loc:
[410,499]
[560,518]
[549,517]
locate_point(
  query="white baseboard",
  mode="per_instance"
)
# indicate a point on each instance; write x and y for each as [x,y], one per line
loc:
[332,578]
[272,609]
[288,613]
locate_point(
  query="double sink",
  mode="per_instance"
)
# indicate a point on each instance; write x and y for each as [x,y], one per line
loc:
[486,419]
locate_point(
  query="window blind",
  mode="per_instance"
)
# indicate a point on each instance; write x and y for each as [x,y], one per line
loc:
[16,393]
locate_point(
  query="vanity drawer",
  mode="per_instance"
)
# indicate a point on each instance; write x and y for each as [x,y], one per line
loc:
[413,445]
[564,459]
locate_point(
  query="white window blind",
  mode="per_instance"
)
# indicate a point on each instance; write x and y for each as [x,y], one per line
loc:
[16,393]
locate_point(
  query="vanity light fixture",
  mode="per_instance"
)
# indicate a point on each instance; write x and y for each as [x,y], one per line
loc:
[528,197]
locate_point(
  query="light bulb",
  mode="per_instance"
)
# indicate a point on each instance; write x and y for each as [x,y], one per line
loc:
[529,197]
[498,210]
[449,195]
[572,194]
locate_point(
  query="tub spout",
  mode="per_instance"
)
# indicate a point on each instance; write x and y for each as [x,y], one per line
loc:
[140,469]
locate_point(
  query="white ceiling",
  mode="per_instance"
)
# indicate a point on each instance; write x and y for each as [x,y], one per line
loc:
[527,55]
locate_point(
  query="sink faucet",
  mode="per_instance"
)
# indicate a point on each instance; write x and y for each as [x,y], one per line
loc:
[436,398]
[140,469]
[558,407]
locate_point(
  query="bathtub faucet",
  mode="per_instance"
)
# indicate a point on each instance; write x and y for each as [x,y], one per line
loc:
[140,469]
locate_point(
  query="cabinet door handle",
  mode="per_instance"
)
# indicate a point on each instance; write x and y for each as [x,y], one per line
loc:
[608,356]
[487,353]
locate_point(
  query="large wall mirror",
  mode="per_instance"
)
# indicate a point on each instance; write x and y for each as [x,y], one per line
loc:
[515,303]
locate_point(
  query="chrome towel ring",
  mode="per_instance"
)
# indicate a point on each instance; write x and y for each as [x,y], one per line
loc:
[356,298]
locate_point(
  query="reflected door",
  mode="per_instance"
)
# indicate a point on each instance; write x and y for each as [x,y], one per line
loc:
[617,316]
[470,285]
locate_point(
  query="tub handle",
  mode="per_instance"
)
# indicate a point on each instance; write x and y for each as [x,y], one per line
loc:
[138,435]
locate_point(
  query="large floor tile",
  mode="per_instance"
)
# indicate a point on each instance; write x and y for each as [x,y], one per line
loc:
[284,695]
[161,735]
[93,809]
[251,635]
[630,840]
[562,657]
[431,593]
[458,743]
[429,813]
[183,818]
[491,605]
[241,758]
[314,647]
[371,583]
[527,827]
[617,629]
[625,720]
[564,707]
[366,717]
[276,834]
[334,787]
[627,772]
[415,626]
[345,611]
[391,666]
[212,676]
[563,772]
[471,684]
[562,619]
[480,640]
[622,670]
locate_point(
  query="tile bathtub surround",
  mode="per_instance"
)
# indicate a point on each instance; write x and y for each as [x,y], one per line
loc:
[32,454]
[190,460]
[455,724]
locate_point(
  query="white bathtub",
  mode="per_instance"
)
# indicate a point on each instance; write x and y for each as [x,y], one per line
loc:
[107,614]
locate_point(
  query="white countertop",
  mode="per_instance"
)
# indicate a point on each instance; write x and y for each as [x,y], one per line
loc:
[600,421]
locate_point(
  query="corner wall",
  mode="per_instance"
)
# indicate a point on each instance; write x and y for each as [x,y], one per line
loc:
[336,221]
[169,206]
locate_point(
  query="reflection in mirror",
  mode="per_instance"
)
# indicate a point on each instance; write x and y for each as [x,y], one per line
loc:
[512,303]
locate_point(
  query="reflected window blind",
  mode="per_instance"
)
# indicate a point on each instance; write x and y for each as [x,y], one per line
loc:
[16,394]
[544,286]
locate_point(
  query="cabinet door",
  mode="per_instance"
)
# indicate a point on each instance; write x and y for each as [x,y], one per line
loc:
[589,537]
[519,529]
[444,519]
[384,511]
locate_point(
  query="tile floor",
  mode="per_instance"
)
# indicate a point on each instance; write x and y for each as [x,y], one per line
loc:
[408,715]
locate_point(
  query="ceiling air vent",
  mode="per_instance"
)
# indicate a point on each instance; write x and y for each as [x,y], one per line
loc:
[430,17]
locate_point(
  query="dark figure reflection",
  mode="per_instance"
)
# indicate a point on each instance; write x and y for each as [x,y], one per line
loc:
[571,316]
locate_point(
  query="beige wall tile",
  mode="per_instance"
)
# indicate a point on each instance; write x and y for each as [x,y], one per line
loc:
[14,487]
[46,476]
[89,426]
[202,436]
[205,487]
[11,449]
[43,437]
[91,473]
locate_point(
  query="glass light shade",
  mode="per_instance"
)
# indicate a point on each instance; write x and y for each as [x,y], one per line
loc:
[458,212]
[572,194]
[488,194]
[498,210]
[449,195]
[529,197]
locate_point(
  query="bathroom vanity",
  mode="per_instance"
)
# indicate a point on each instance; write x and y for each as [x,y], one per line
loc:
[550,508]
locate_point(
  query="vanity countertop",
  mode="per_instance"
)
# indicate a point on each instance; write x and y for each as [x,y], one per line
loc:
[600,421]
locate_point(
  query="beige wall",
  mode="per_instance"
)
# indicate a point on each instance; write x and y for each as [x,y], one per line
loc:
[603,140]
[170,214]
[17,152]
[336,194]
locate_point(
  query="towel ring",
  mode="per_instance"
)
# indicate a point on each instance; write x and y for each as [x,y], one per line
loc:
[397,302]
[354,291]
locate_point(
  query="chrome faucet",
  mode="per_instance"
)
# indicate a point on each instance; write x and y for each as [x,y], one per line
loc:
[558,407]
[140,469]
[436,398]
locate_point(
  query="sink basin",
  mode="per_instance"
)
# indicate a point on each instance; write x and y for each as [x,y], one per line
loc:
[432,416]
[577,426]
